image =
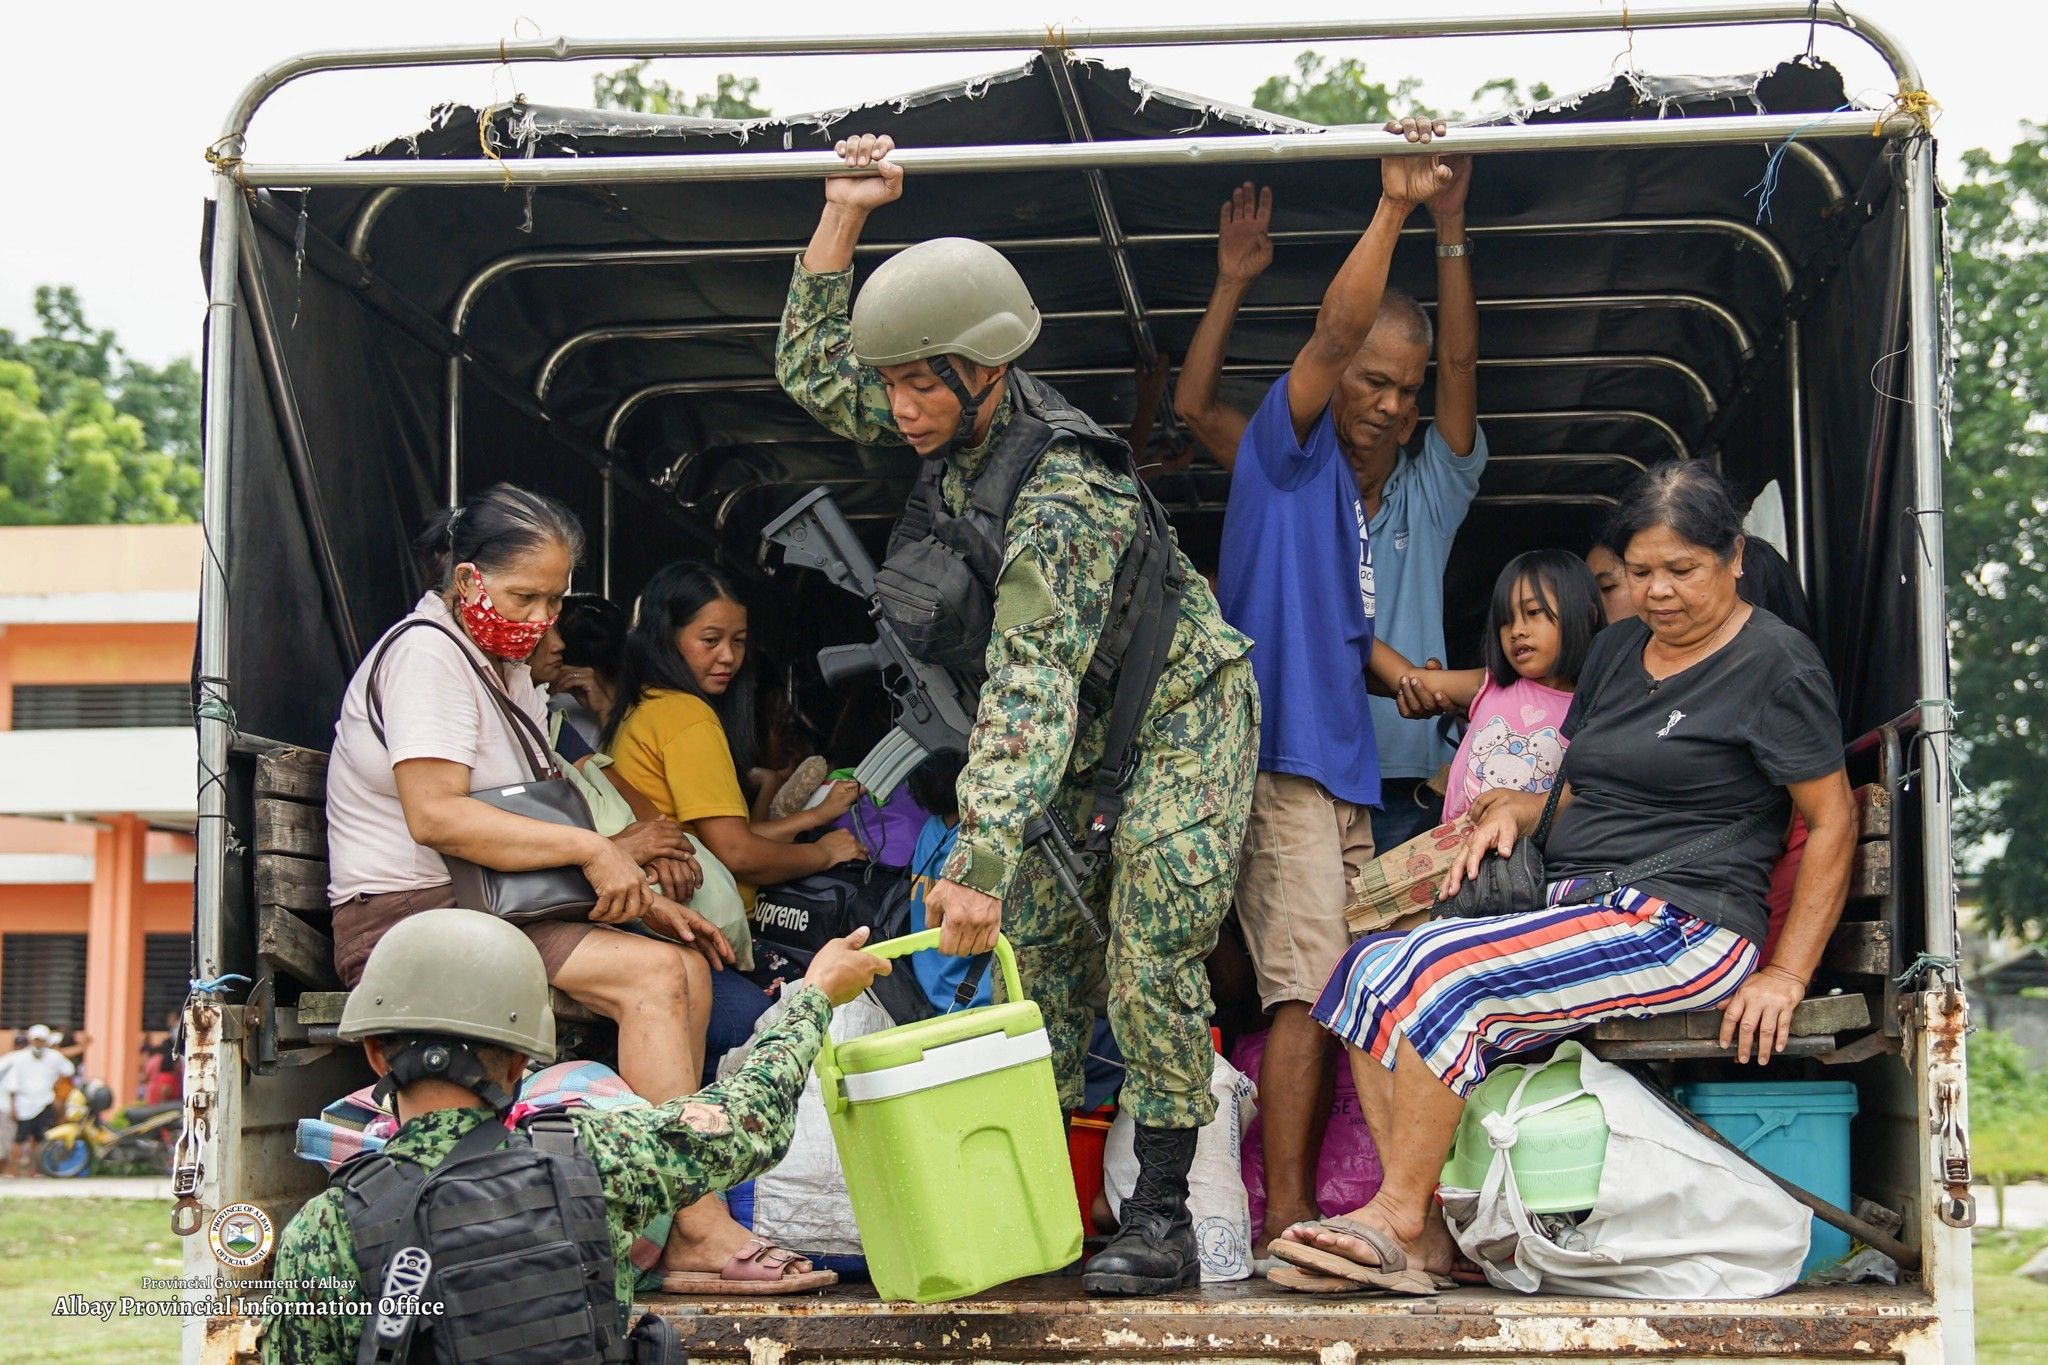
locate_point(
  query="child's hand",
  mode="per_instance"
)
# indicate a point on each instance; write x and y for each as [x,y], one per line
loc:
[1421,694]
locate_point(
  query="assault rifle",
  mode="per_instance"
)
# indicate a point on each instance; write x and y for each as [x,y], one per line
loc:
[934,707]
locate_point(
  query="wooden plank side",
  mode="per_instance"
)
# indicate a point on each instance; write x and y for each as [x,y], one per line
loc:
[1870,876]
[291,883]
[1859,948]
[1821,1014]
[1874,811]
[294,774]
[291,827]
[291,945]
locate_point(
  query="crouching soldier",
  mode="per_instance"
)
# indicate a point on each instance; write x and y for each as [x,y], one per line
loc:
[1112,692]
[511,1243]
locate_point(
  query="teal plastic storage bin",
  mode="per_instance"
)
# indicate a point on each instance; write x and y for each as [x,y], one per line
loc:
[1798,1130]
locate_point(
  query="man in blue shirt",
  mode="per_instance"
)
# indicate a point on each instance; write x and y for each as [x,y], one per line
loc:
[1332,539]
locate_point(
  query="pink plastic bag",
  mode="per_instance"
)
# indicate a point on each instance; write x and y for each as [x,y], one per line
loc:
[1348,1173]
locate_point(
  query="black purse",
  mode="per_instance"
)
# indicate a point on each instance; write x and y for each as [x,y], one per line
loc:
[1518,883]
[529,897]
[1506,885]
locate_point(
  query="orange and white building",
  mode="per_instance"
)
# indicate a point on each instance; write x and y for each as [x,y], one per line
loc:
[97,783]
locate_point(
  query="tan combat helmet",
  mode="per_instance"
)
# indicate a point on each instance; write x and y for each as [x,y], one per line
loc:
[947,296]
[457,973]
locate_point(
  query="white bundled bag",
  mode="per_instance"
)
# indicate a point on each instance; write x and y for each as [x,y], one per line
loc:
[1678,1216]
[802,1203]
[1216,1198]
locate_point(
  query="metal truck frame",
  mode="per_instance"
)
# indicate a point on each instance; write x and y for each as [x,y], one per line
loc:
[1242,1326]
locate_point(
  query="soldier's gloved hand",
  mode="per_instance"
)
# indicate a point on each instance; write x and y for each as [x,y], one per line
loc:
[842,970]
[967,919]
[865,193]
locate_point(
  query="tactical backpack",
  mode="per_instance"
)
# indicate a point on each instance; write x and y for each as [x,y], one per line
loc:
[505,1246]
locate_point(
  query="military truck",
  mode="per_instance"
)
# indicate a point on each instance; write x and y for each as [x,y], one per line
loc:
[586,301]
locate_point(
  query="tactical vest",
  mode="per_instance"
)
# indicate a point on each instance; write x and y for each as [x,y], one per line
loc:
[508,1236]
[938,584]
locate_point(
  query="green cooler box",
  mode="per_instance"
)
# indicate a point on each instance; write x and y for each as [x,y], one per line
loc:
[954,1146]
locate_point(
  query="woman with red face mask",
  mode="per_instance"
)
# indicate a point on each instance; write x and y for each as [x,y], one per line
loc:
[398,799]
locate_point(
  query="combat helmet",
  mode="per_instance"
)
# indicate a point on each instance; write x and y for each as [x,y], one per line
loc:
[448,980]
[947,296]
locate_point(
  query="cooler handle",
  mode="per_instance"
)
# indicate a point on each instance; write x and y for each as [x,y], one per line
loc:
[830,1078]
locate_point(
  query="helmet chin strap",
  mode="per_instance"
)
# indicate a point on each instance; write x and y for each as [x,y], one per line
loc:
[441,1059]
[970,403]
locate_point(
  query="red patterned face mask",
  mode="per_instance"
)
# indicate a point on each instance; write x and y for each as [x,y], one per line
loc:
[496,634]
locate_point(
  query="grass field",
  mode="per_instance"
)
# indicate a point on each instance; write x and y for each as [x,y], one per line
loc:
[2012,1313]
[101,1248]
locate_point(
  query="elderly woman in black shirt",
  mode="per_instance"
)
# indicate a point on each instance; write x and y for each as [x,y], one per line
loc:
[1690,718]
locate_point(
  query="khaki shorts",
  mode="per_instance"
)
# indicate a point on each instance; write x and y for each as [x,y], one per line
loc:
[1302,847]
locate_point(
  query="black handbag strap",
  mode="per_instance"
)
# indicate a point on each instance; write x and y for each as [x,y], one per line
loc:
[1692,850]
[537,752]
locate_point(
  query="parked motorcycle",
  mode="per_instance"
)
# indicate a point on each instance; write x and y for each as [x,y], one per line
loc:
[84,1142]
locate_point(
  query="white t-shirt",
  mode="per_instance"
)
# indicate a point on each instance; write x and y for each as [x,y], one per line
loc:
[31,1081]
[434,706]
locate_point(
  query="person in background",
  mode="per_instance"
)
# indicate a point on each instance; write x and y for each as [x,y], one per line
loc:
[578,663]
[1318,491]
[28,1085]
[1414,504]
[683,731]
[932,786]
[1701,713]
[1605,565]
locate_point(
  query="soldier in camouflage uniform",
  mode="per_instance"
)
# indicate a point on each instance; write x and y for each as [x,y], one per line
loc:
[1168,881]
[650,1160]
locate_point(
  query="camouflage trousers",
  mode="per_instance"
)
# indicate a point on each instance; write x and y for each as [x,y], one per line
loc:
[1165,890]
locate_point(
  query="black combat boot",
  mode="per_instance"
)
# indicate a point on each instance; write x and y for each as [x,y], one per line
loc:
[1153,1251]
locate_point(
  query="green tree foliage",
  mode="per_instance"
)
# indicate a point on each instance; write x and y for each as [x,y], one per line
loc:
[629,88]
[1334,92]
[88,434]
[1997,525]
[1328,92]
[2008,1108]
[1503,93]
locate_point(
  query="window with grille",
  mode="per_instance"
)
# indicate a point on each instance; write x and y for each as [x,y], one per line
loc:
[42,980]
[166,972]
[102,706]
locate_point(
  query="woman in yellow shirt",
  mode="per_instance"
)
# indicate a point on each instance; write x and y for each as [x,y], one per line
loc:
[682,731]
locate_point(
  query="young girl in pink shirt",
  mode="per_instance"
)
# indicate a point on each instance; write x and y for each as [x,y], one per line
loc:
[1544,614]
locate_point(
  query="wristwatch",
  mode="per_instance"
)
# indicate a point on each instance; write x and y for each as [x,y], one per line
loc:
[1446,251]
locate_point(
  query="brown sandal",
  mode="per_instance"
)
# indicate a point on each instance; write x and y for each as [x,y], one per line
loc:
[757,1268]
[1393,1273]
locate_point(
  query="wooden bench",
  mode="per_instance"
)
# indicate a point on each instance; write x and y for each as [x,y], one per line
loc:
[1861,958]
[294,926]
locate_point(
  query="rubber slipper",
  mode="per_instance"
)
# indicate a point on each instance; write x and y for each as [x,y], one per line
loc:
[1392,1273]
[757,1268]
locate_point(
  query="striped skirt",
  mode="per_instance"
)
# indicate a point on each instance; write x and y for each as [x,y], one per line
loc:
[1468,991]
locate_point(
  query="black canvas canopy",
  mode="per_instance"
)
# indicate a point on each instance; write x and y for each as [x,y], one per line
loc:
[1635,307]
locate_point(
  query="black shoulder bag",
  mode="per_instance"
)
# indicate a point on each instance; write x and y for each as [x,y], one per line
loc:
[1517,883]
[521,897]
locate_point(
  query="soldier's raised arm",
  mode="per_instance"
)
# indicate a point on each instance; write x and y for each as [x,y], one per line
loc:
[814,353]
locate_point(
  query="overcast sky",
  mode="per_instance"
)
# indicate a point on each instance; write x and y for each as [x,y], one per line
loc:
[113,105]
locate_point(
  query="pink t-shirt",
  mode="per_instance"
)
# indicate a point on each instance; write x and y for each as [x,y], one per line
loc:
[434,706]
[1512,742]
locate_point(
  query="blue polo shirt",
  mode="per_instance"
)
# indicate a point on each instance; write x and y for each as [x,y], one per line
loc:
[1421,508]
[1296,576]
